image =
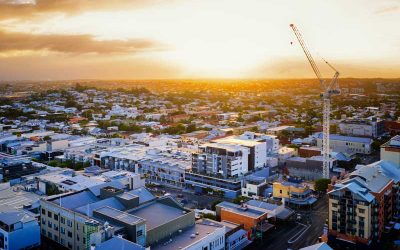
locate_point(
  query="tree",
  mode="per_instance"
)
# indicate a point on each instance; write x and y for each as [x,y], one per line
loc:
[209,216]
[53,163]
[46,138]
[191,128]
[240,199]
[321,185]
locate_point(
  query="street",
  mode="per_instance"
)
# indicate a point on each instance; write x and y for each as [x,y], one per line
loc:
[278,238]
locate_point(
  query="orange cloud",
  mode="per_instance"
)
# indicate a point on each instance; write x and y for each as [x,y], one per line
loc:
[19,9]
[16,41]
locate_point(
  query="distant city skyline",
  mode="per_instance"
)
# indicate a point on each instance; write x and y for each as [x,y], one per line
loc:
[124,39]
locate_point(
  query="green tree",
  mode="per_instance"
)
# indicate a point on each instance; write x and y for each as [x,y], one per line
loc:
[322,184]
[240,199]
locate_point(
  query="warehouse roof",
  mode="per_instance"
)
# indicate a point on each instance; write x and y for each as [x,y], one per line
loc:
[156,214]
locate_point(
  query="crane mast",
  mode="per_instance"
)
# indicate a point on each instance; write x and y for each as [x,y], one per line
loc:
[328,90]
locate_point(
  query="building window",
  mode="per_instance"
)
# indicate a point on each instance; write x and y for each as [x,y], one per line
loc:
[49,235]
[49,214]
[55,238]
[49,224]
[62,230]
[69,223]
[70,234]
[139,233]
[77,226]
[43,231]
[55,227]
[43,221]
[43,211]
[62,219]
[55,217]
[361,211]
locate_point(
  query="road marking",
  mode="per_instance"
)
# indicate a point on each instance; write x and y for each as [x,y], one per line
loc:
[17,200]
[298,235]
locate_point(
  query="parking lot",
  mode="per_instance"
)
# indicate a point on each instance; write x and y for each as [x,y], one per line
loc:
[187,198]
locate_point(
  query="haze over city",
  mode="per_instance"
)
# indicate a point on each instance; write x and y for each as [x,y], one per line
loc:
[139,39]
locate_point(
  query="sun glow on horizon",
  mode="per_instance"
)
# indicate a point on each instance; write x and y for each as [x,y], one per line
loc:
[234,38]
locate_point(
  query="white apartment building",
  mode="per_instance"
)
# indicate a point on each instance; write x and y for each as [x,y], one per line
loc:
[257,150]
[225,160]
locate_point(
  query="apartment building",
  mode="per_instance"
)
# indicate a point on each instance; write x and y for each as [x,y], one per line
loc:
[363,204]
[224,160]
[164,165]
[347,144]
[257,150]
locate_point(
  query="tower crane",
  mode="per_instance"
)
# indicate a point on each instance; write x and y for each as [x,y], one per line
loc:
[328,90]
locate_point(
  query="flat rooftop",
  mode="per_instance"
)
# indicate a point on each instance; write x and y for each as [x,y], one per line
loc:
[119,215]
[157,214]
[235,208]
[13,199]
[236,141]
[199,230]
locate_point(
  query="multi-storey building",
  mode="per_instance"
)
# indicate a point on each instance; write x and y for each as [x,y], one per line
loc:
[257,150]
[219,167]
[162,165]
[347,144]
[362,127]
[362,205]
[224,160]
[79,220]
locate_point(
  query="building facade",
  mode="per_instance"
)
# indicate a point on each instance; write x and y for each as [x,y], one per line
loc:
[19,230]
[347,144]
[361,206]
[372,128]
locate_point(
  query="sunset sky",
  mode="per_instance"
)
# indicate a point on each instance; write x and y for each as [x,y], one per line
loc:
[149,39]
